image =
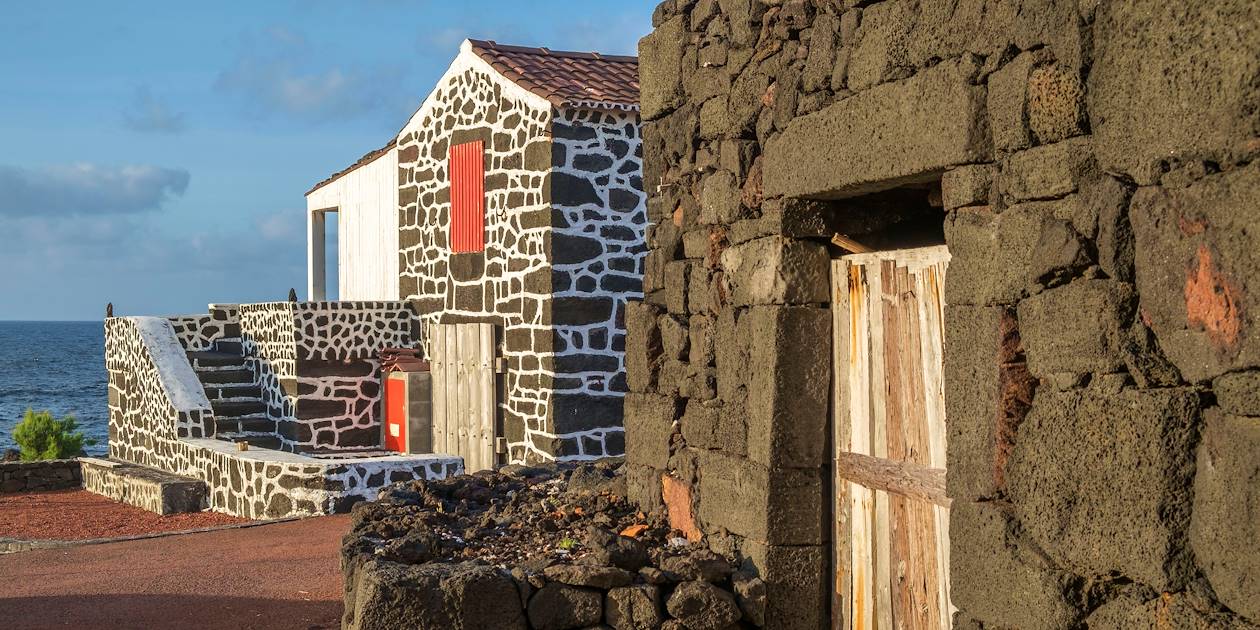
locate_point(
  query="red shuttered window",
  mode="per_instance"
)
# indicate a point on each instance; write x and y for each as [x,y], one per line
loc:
[468,197]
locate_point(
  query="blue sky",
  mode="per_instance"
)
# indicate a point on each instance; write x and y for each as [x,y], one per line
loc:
[155,154]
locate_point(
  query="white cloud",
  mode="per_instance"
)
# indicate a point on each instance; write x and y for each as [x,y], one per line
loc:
[275,74]
[150,115]
[88,189]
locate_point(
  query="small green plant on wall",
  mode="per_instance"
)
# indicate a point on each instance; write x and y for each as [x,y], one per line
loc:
[41,436]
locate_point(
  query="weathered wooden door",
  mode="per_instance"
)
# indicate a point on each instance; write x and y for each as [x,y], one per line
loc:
[464,406]
[892,515]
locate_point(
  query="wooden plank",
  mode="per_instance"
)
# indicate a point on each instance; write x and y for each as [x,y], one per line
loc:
[879,448]
[904,478]
[452,390]
[895,392]
[485,385]
[437,356]
[842,583]
[861,504]
[467,401]
[922,585]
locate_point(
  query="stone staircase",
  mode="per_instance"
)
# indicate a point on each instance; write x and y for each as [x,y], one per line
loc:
[239,411]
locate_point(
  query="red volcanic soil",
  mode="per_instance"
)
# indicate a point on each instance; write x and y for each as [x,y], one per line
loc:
[81,515]
[282,575]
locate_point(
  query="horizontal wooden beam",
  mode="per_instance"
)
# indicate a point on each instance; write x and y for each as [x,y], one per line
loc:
[904,478]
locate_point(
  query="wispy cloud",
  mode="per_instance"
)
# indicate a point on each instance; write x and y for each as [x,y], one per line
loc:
[276,74]
[148,114]
[88,189]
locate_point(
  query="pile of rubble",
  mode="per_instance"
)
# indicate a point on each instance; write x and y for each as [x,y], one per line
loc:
[545,548]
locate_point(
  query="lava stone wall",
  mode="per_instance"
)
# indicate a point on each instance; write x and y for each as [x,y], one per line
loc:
[319,367]
[565,215]
[1091,164]
[158,417]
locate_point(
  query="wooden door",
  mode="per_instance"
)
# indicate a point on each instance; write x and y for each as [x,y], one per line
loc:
[464,405]
[892,515]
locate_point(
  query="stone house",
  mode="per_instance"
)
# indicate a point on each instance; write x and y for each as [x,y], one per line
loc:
[512,199]
[500,235]
[1089,169]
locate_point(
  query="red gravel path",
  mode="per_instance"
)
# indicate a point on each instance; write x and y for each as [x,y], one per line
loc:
[284,575]
[80,515]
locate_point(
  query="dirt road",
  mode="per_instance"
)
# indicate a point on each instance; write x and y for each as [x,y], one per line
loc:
[273,576]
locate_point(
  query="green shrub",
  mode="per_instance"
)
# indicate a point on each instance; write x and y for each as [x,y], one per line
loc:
[40,436]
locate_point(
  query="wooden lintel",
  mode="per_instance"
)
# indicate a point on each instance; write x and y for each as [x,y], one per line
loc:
[840,240]
[904,478]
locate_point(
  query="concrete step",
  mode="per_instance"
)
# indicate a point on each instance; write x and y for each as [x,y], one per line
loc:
[237,408]
[226,376]
[233,391]
[148,488]
[228,346]
[213,360]
[258,423]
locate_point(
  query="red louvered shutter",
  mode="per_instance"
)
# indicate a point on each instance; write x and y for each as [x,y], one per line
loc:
[468,197]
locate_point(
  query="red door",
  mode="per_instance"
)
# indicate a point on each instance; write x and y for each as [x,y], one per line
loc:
[396,413]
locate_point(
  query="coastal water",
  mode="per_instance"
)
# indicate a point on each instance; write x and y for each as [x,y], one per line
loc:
[58,366]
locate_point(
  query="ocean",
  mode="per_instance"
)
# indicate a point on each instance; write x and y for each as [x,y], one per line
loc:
[58,366]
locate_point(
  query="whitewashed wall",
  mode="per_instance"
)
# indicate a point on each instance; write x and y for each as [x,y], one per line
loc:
[366,200]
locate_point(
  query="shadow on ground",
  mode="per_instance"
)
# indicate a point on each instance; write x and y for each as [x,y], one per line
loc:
[157,611]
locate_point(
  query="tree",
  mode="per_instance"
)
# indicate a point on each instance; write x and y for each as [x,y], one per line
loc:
[40,436]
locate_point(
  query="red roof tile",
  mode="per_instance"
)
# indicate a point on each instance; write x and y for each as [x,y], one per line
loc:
[567,79]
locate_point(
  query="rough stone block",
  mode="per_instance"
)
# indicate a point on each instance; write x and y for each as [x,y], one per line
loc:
[789,385]
[778,507]
[992,254]
[967,185]
[1056,103]
[1100,481]
[986,397]
[777,270]
[660,67]
[643,486]
[1008,103]
[881,138]
[1173,81]
[1046,172]
[676,276]
[701,349]
[1168,610]
[649,421]
[1197,252]
[712,425]
[1079,327]
[998,578]
[674,339]
[1224,528]
[643,346]
[1238,393]
[719,199]
[879,53]
[732,344]
[796,583]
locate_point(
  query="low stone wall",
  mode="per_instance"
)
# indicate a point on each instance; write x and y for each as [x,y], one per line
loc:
[145,488]
[52,474]
[534,548]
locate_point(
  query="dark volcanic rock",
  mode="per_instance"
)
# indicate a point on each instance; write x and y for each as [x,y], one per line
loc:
[588,575]
[700,564]
[750,591]
[560,607]
[703,606]
[619,551]
[633,607]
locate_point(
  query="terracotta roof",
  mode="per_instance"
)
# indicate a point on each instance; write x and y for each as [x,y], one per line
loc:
[363,161]
[567,79]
